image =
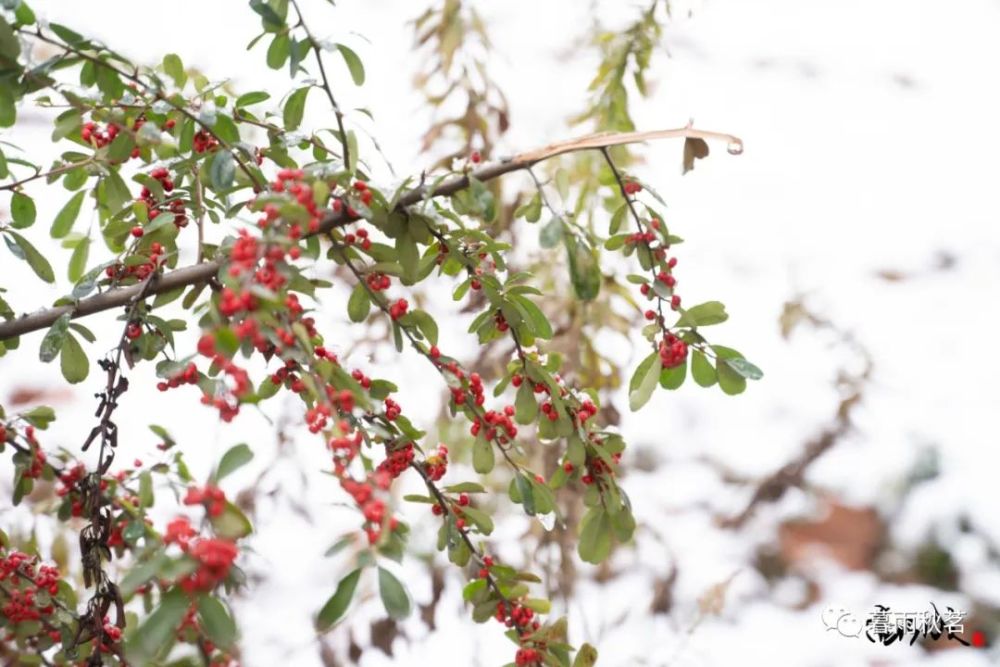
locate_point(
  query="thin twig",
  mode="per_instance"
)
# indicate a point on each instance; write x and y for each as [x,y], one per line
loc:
[200,273]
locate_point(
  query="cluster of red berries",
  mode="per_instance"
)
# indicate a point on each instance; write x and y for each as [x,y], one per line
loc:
[364,194]
[187,376]
[527,656]
[392,409]
[211,497]
[214,556]
[227,401]
[501,322]
[119,271]
[516,615]
[397,461]
[632,187]
[398,309]
[499,425]
[436,465]
[38,458]
[360,233]
[22,583]
[378,281]
[372,508]
[92,134]
[154,207]
[204,142]
[673,351]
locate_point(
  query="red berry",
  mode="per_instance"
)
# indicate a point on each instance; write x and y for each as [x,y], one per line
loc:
[476,157]
[137,231]
[650,315]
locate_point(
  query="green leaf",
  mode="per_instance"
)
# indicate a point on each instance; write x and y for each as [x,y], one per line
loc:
[174,68]
[359,305]
[703,315]
[232,524]
[248,99]
[216,621]
[595,536]
[222,170]
[525,405]
[525,494]
[394,595]
[10,48]
[702,370]
[67,216]
[354,64]
[54,338]
[745,368]
[539,323]
[22,210]
[618,219]
[673,378]
[277,52]
[78,260]
[586,656]
[158,629]
[483,457]
[551,234]
[73,360]
[584,269]
[236,457]
[226,129]
[295,108]
[643,381]
[481,519]
[730,381]
[338,603]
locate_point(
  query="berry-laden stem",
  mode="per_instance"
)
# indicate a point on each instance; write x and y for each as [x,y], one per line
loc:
[380,302]
[253,177]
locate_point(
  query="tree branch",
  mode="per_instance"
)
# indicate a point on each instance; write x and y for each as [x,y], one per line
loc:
[200,273]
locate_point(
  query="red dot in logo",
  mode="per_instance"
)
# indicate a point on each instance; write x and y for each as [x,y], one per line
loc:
[978,638]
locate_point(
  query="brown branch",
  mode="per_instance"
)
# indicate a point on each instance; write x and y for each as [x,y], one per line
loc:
[200,273]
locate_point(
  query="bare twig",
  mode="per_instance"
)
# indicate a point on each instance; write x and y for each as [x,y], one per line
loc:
[200,273]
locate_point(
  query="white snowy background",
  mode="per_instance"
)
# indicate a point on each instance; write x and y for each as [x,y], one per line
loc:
[870,146]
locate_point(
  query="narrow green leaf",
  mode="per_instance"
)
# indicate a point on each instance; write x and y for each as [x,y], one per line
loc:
[174,68]
[158,628]
[78,260]
[483,457]
[525,405]
[248,99]
[338,603]
[67,216]
[216,621]
[354,64]
[295,108]
[359,305]
[222,170]
[236,457]
[702,370]
[277,52]
[643,381]
[595,536]
[745,368]
[394,595]
[73,360]
[54,338]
